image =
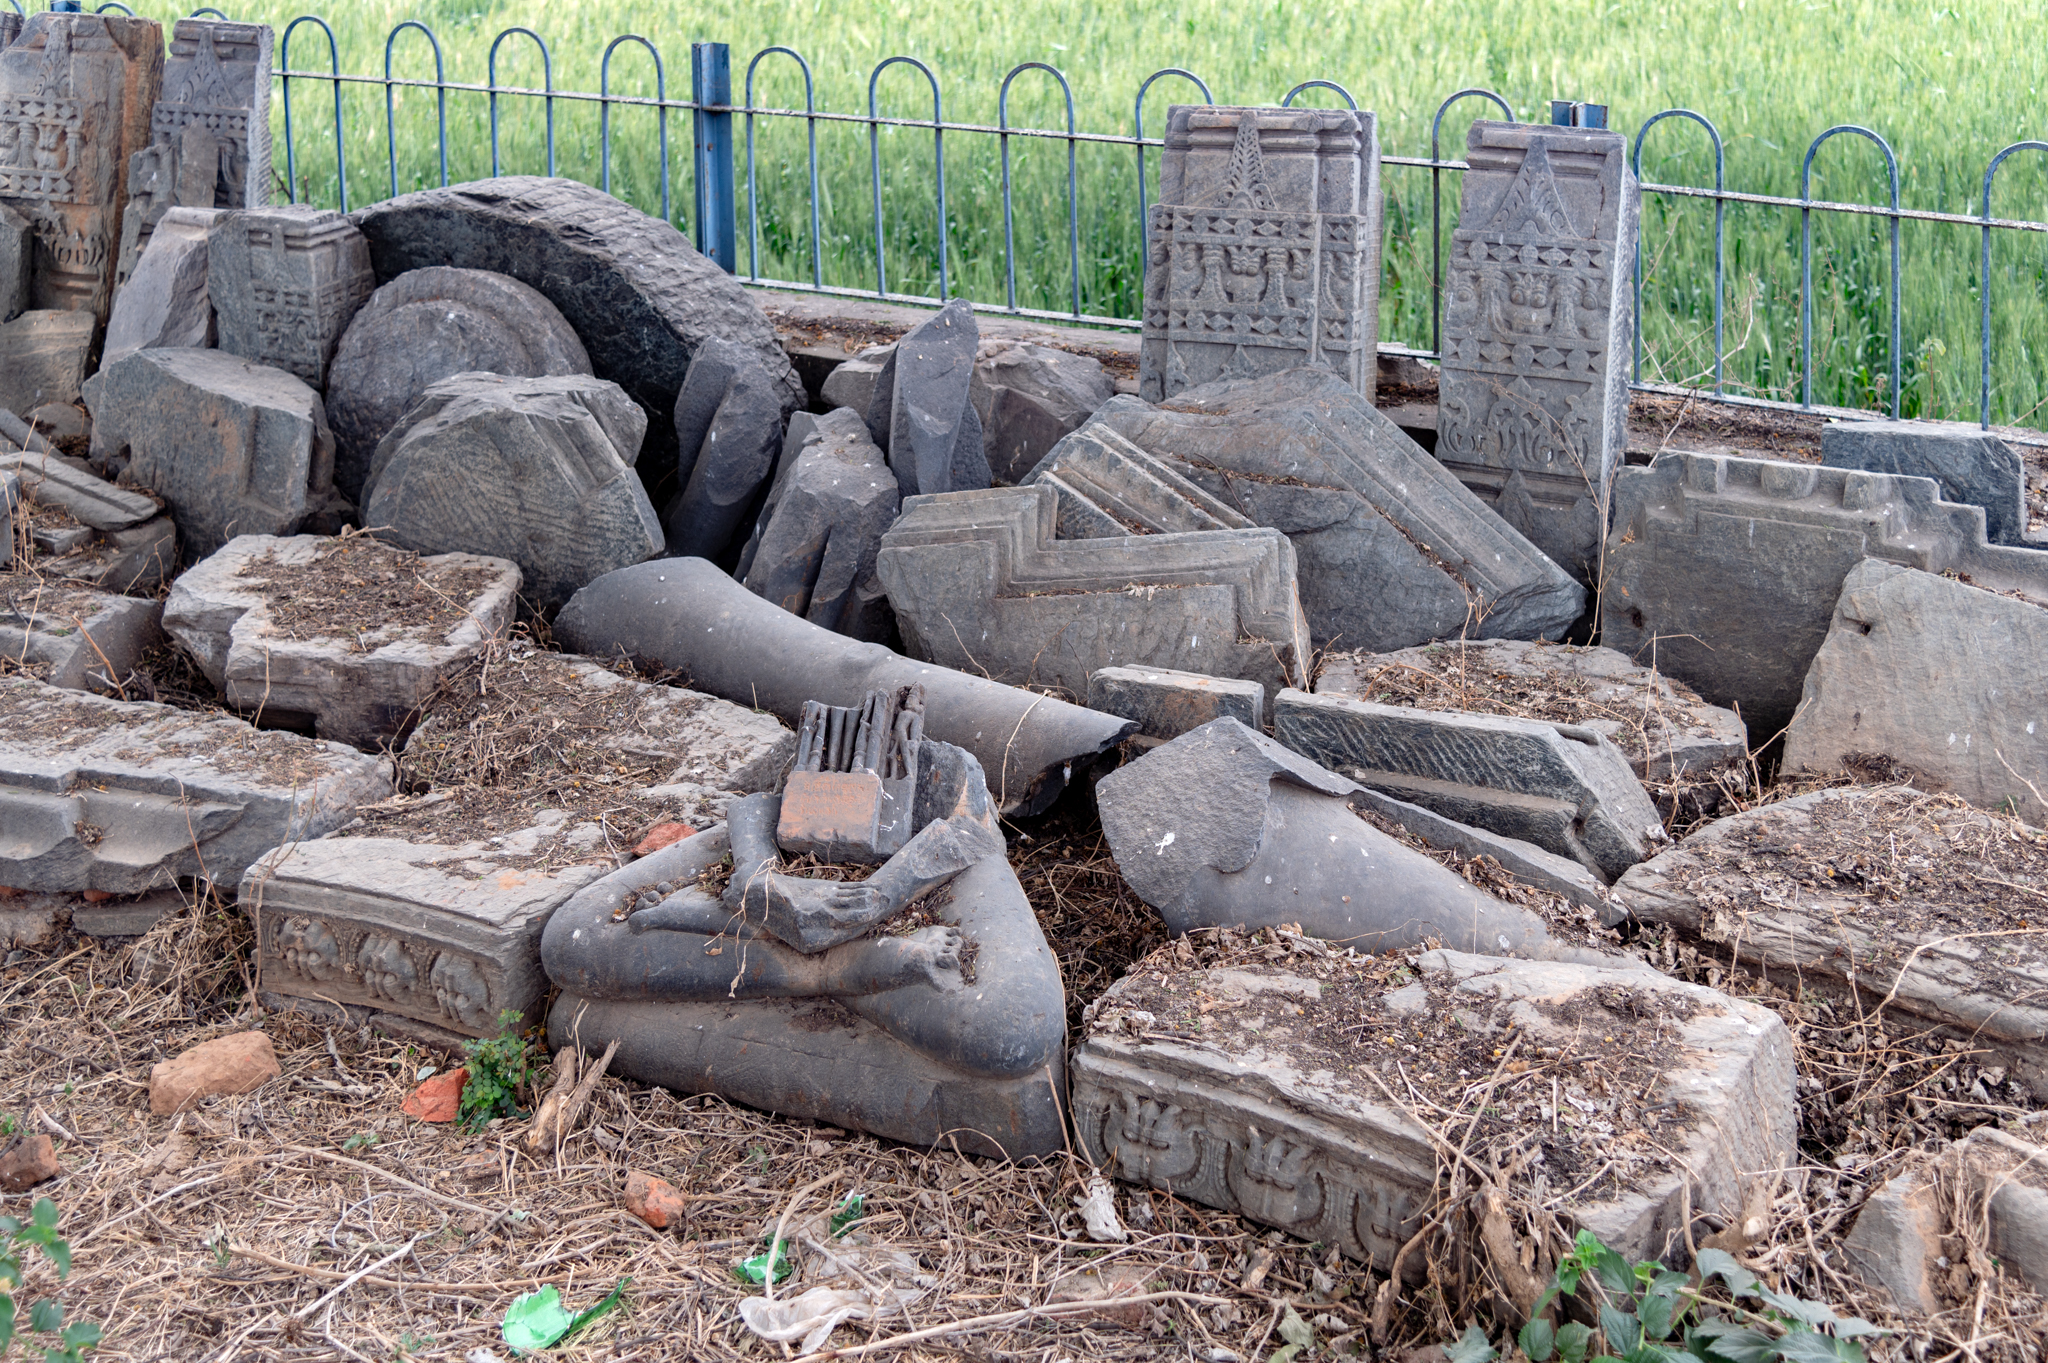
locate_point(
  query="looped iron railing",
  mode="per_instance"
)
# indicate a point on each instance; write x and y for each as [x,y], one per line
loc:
[291,163]
[1073,196]
[875,163]
[1720,220]
[1436,207]
[390,100]
[1144,221]
[547,83]
[1891,165]
[1287,102]
[753,197]
[604,116]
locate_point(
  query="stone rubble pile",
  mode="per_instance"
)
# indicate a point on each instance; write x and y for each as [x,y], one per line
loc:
[348,468]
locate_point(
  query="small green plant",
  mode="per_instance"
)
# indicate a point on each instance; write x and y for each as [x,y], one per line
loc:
[362,1140]
[498,1068]
[45,1316]
[1647,1313]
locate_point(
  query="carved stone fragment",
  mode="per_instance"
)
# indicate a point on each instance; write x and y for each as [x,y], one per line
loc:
[234,447]
[813,553]
[17,263]
[920,414]
[853,790]
[285,282]
[43,356]
[165,300]
[1028,397]
[535,470]
[121,796]
[979,581]
[1566,789]
[89,500]
[425,326]
[1723,572]
[209,131]
[1264,248]
[361,686]
[728,432]
[74,637]
[1109,488]
[1263,1115]
[1972,466]
[1166,703]
[1537,324]
[76,91]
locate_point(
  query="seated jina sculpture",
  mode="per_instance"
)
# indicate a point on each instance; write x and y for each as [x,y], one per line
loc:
[826,999]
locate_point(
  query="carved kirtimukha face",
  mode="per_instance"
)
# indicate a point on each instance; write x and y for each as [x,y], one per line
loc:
[386,969]
[460,992]
[307,949]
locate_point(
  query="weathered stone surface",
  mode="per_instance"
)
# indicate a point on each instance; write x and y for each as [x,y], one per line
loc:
[1723,572]
[1109,488]
[814,553]
[17,261]
[137,561]
[360,684]
[73,637]
[1264,248]
[979,581]
[76,91]
[535,470]
[209,132]
[427,325]
[236,448]
[633,287]
[685,614]
[1565,788]
[1939,676]
[447,935]
[225,1065]
[1538,319]
[1166,703]
[1663,729]
[1265,1117]
[920,414]
[21,435]
[2014,1174]
[437,1098]
[124,797]
[1029,396]
[728,422]
[89,500]
[852,382]
[1972,466]
[1749,885]
[1223,827]
[42,357]
[654,1200]
[1523,860]
[1305,453]
[164,302]
[1896,1240]
[10,499]
[852,792]
[126,918]
[26,1161]
[285,282]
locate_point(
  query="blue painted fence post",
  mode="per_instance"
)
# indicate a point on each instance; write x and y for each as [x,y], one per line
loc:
[717,215]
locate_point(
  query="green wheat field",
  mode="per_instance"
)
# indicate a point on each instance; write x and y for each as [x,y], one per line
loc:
[1947,84]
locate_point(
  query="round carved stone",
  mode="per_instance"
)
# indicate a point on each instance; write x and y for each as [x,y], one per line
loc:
[425,326]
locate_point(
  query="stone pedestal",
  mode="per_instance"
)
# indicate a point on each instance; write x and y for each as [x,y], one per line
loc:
[1264,248]
[285,282]
[1537,327]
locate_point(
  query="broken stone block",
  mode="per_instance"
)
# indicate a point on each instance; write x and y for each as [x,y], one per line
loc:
[654,1200]
[1565,788]
[10,500]
[164,301]
[17,259]
[684,614]
[978,580]
[89,500]
[1028,397]
[853,790]
[26,1161]
[728,433]
[1523,860]
[73,637]
[2014,1175]
[1304,453]
[1264,248]
[1662,727]
[814,554]
[234,447]
[1877,895]
[136,561]
[1538,320]
[852,382]
[1973,466]
[43,356]
[209,132]
[1166,703]
[447,935]
[1109,488]
[285,281]
[225,1065]
[76,92]
[427,325]
[437,1098]
[535,470]
[1723,572]
[351,635]
[125,797]
[920,414]
[1896,1240]
[1231,1086]
[1941,677]
[1223,827]
[130,918]
[641,297]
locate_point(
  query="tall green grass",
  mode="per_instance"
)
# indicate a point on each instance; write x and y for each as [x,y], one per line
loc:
[1947,84]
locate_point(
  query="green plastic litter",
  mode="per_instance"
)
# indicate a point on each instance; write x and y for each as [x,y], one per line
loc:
[850,1211]
[538,1320]
[755,1270]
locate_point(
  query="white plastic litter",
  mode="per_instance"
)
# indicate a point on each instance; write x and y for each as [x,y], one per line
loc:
[813,1316]
[1098,1209]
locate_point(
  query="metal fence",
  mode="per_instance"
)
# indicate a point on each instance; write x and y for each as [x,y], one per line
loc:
[714,151]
